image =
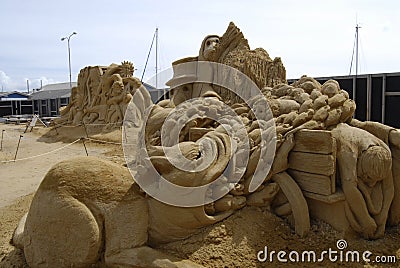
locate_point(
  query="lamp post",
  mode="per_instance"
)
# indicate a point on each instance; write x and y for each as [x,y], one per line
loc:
[69,57]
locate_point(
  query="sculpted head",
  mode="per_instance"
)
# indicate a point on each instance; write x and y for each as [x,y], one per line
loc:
[208,47]
[374,164]
[181,93]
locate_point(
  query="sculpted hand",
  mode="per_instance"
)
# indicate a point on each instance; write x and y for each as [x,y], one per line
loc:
[380,231]
[230,202]
[368,228]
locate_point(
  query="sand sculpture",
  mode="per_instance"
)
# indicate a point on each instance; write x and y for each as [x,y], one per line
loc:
[102,95]
[327,165]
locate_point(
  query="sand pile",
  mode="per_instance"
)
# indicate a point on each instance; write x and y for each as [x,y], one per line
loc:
[233,242]
[236,241]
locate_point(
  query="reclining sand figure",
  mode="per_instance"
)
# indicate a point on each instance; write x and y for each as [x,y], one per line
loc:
[110,220]
[310,105]
[365,167]
[107,216]
[391,137]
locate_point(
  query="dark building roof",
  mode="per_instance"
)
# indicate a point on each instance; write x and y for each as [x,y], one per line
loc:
[53,91]
[148,86]
[62,90]
[51,94]
[13,95]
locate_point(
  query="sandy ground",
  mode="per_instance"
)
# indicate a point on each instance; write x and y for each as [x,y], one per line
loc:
[23,176]
[235,242]
[38,151]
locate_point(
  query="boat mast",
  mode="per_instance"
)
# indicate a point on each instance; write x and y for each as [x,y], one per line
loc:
[155,37]
[156,58]
[355,47]
[357,27]
[148,55]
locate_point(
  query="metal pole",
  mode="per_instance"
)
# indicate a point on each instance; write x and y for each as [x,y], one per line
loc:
[357,50]
[69,57]
[83,142]
[15,157]
[148,55]
[157,58]
[2,134]
[69,63]
[84,126]
[355,80]
[369,95]
[354,87]
[383,98]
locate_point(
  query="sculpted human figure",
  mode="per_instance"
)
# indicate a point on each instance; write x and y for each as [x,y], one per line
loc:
[66,112]
[108,102]
[206,72]
[117,100]
[102,90]
[92,83]
[391,137]
[76,112]
[364,163]
[202,72]
[109,219]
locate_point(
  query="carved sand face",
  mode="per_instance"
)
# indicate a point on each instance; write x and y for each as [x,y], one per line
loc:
[117,87]
[210,45]
[373,165]
[181,94]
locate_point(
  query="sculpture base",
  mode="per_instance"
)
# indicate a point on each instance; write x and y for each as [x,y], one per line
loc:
[329,209]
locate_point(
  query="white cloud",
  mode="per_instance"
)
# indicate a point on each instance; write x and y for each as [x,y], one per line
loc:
[4,79]
[313,37]
[8,83]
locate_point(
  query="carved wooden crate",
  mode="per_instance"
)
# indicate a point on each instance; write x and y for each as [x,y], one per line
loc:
[312,162]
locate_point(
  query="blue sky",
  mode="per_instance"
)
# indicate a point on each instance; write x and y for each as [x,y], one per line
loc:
[312,37]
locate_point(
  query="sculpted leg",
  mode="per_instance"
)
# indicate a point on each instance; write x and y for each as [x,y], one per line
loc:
[147,257]
[77,215]
[60,232]
[356,208]
[229,202]
[391,137]
[281,158]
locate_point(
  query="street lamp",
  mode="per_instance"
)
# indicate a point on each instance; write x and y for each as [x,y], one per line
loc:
[69,57]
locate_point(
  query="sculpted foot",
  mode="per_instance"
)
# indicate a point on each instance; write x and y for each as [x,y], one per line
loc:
[281,158]
[287,145]
[265,196]
[146,257]
[229,202]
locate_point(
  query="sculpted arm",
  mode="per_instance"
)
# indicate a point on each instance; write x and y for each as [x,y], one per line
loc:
[364,223]
[388,193]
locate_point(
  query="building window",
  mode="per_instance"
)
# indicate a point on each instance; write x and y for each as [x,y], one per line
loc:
[63,101]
